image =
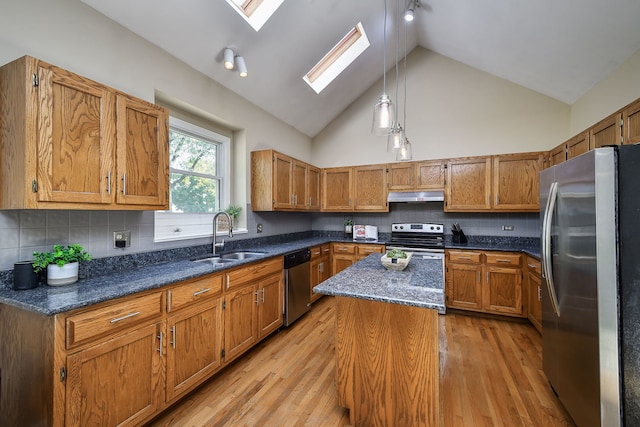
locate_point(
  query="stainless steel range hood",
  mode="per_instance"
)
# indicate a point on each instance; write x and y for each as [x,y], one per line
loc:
[416,196]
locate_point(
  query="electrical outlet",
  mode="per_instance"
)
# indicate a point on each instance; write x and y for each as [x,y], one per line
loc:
[122,239]
[259,228]
[507,228]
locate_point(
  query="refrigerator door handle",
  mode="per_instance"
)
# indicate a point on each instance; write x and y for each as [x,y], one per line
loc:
[546,246]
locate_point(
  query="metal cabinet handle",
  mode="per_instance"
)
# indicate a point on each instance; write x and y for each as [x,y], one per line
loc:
[118,319]
[532,266]
[124,184]
[504,260]
[262,290]
[479,277]
[465,257]
[321,267]
[160,348]
[203,291]
[309,201]
[173,336]
[257,300]
[109,183]
[539,293]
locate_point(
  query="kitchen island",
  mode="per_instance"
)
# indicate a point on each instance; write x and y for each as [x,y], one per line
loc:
[387,356]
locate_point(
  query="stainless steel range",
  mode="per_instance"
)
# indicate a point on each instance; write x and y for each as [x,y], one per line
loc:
[424,240]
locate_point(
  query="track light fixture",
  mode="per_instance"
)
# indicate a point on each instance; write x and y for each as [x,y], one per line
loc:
[409,14]
[233,61]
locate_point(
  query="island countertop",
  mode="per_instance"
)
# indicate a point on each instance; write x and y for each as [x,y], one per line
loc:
[421,284]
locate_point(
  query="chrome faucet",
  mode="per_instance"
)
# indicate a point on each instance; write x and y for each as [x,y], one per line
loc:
[215,231]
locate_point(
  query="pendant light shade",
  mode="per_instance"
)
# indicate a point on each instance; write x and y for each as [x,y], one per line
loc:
[396,136]
[382,116]
[404,152]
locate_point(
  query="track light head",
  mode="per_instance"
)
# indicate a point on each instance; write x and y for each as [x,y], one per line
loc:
[409,14]
[228,58]
[242,66]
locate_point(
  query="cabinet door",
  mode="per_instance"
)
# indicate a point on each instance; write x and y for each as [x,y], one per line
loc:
[314,276]
[142,159]
[631,123]
[282,181]
[606,132]
[340,262]
[558,154]
[240,321]
[402,176]
[468,186]
[299,185]
[502,291]
[75,141]
[117,382]
[464,286]
[577,145]
[516,183]
[370,188]
[193,350]
[534,311]
[313,187]
[429,175]
[336,189]
[270,307]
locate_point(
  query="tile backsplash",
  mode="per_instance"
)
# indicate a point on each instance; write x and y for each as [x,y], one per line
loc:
[25,231]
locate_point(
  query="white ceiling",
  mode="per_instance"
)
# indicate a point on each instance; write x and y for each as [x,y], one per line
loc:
[560,48]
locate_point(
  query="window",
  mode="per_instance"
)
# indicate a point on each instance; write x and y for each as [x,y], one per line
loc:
[198,169]
[255,12]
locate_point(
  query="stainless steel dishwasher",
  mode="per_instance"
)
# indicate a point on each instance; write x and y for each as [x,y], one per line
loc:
[297,293]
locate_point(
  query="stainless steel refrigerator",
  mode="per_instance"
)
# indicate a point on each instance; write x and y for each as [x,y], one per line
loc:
[590,215]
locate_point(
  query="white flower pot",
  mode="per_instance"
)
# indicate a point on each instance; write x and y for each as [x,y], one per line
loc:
[65,275]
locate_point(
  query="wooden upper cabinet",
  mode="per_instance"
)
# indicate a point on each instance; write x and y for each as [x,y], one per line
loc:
[66,140]
[415,176]
[313,187]
[75,138]
[337,189]
[402,176]
[468,185]
[606,132]
[558,155]
[370,188]
[142,153]
[280,182]
[430,175]
[516,182]
[631,123]
[577,145]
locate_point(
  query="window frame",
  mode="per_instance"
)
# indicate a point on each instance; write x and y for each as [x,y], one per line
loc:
[199,224]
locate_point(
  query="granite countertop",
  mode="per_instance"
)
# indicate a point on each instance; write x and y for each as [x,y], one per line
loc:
[51,300]
[123,276]
[421,284]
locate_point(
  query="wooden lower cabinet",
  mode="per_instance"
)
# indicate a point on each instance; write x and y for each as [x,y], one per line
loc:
[117,382]
[343,256]
[121,362]
[485,281]
[319,268]
[534,292]
[193,346]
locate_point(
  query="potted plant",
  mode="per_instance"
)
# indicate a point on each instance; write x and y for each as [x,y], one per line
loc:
[61,263]
[234,212]
[348,226]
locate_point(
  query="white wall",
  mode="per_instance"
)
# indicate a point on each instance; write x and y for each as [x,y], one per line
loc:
[452,110]
[609,95]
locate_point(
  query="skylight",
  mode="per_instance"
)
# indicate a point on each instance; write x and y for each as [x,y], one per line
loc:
[255,12]
[337,59]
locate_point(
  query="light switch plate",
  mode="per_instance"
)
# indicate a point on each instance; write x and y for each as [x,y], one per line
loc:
[121,239]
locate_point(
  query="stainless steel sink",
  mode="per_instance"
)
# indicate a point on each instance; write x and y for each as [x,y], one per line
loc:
[215,260]
[241,255]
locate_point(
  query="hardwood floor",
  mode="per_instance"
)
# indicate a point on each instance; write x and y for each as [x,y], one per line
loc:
[491,375]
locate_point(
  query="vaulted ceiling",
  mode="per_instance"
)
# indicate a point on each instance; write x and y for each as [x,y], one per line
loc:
[558,48]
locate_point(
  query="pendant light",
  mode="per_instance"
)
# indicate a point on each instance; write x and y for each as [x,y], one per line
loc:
[383,116]
[404,152]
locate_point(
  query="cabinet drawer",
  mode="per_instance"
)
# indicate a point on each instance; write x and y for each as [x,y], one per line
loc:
[193,291]
[253,271]
[366,250]
[534,265]
[469,257]
[93,324]
[502,258]
[316,252]
[340,248]
[326,249]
